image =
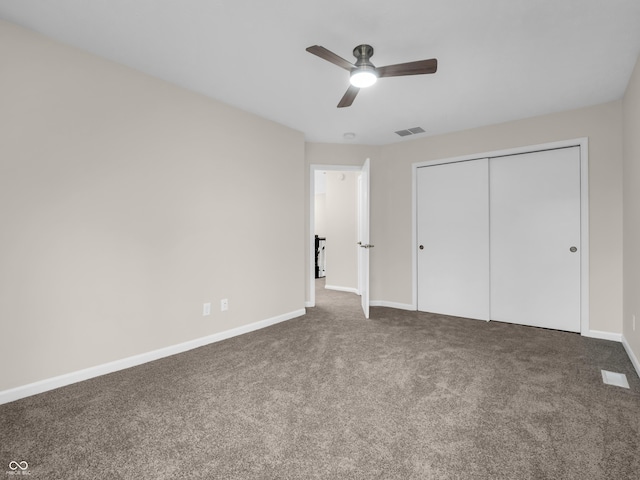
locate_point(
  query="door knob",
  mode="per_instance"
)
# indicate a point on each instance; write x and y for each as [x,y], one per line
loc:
[573,249]
[421,247]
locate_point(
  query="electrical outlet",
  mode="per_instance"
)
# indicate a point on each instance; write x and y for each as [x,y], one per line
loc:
[224,305]
[206,309]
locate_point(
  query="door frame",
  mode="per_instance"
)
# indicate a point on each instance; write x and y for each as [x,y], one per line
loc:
[583,144]
[312,223]
[364,236]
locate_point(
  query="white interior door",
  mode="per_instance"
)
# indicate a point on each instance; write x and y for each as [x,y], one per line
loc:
[453,238]
[535,239]
[363,236]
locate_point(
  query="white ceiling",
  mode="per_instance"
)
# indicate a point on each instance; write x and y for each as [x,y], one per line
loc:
[499,60]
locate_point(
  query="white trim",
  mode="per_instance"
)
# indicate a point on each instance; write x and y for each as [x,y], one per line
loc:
[614,337]
[414,234]
[583,143]
[92,372]
[584,235]
[342,289]
[313,168]
[398,306]
[632,356]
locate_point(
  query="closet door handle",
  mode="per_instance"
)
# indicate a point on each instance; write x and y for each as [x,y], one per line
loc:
[573,249]
[421,247]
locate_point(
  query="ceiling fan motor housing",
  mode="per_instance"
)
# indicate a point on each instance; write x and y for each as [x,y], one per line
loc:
[364,73]
[363,53]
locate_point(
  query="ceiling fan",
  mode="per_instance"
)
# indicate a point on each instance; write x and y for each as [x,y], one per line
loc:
[364,73]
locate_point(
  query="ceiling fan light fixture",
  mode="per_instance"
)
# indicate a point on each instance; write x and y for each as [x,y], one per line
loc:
[363,77]
[364,73]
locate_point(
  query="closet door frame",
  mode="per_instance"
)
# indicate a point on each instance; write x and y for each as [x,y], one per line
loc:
[583,144]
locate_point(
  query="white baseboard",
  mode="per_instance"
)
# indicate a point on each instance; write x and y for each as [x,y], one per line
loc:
[17,393]
[614,337]
[632,356]
[342,289]
[399,306]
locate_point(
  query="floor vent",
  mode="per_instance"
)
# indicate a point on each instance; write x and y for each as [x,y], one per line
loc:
[617,379]
[410,131]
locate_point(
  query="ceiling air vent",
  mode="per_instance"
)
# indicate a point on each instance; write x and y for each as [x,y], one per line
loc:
[410,131]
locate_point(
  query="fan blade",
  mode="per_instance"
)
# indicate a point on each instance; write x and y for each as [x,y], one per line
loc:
[330,57]
[410,68]
[348,97]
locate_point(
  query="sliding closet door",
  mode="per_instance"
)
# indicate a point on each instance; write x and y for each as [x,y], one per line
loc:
[535,239]
[453,239]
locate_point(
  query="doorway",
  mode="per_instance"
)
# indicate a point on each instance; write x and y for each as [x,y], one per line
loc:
[337,217]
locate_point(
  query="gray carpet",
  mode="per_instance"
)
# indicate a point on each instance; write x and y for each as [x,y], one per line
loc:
[331,395]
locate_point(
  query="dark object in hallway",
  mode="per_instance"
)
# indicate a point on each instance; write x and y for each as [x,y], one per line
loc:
[320,252]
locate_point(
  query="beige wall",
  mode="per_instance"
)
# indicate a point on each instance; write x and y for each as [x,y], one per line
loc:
[342,230]
[391,272]
[631,109]
[126,203]
[320,215]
